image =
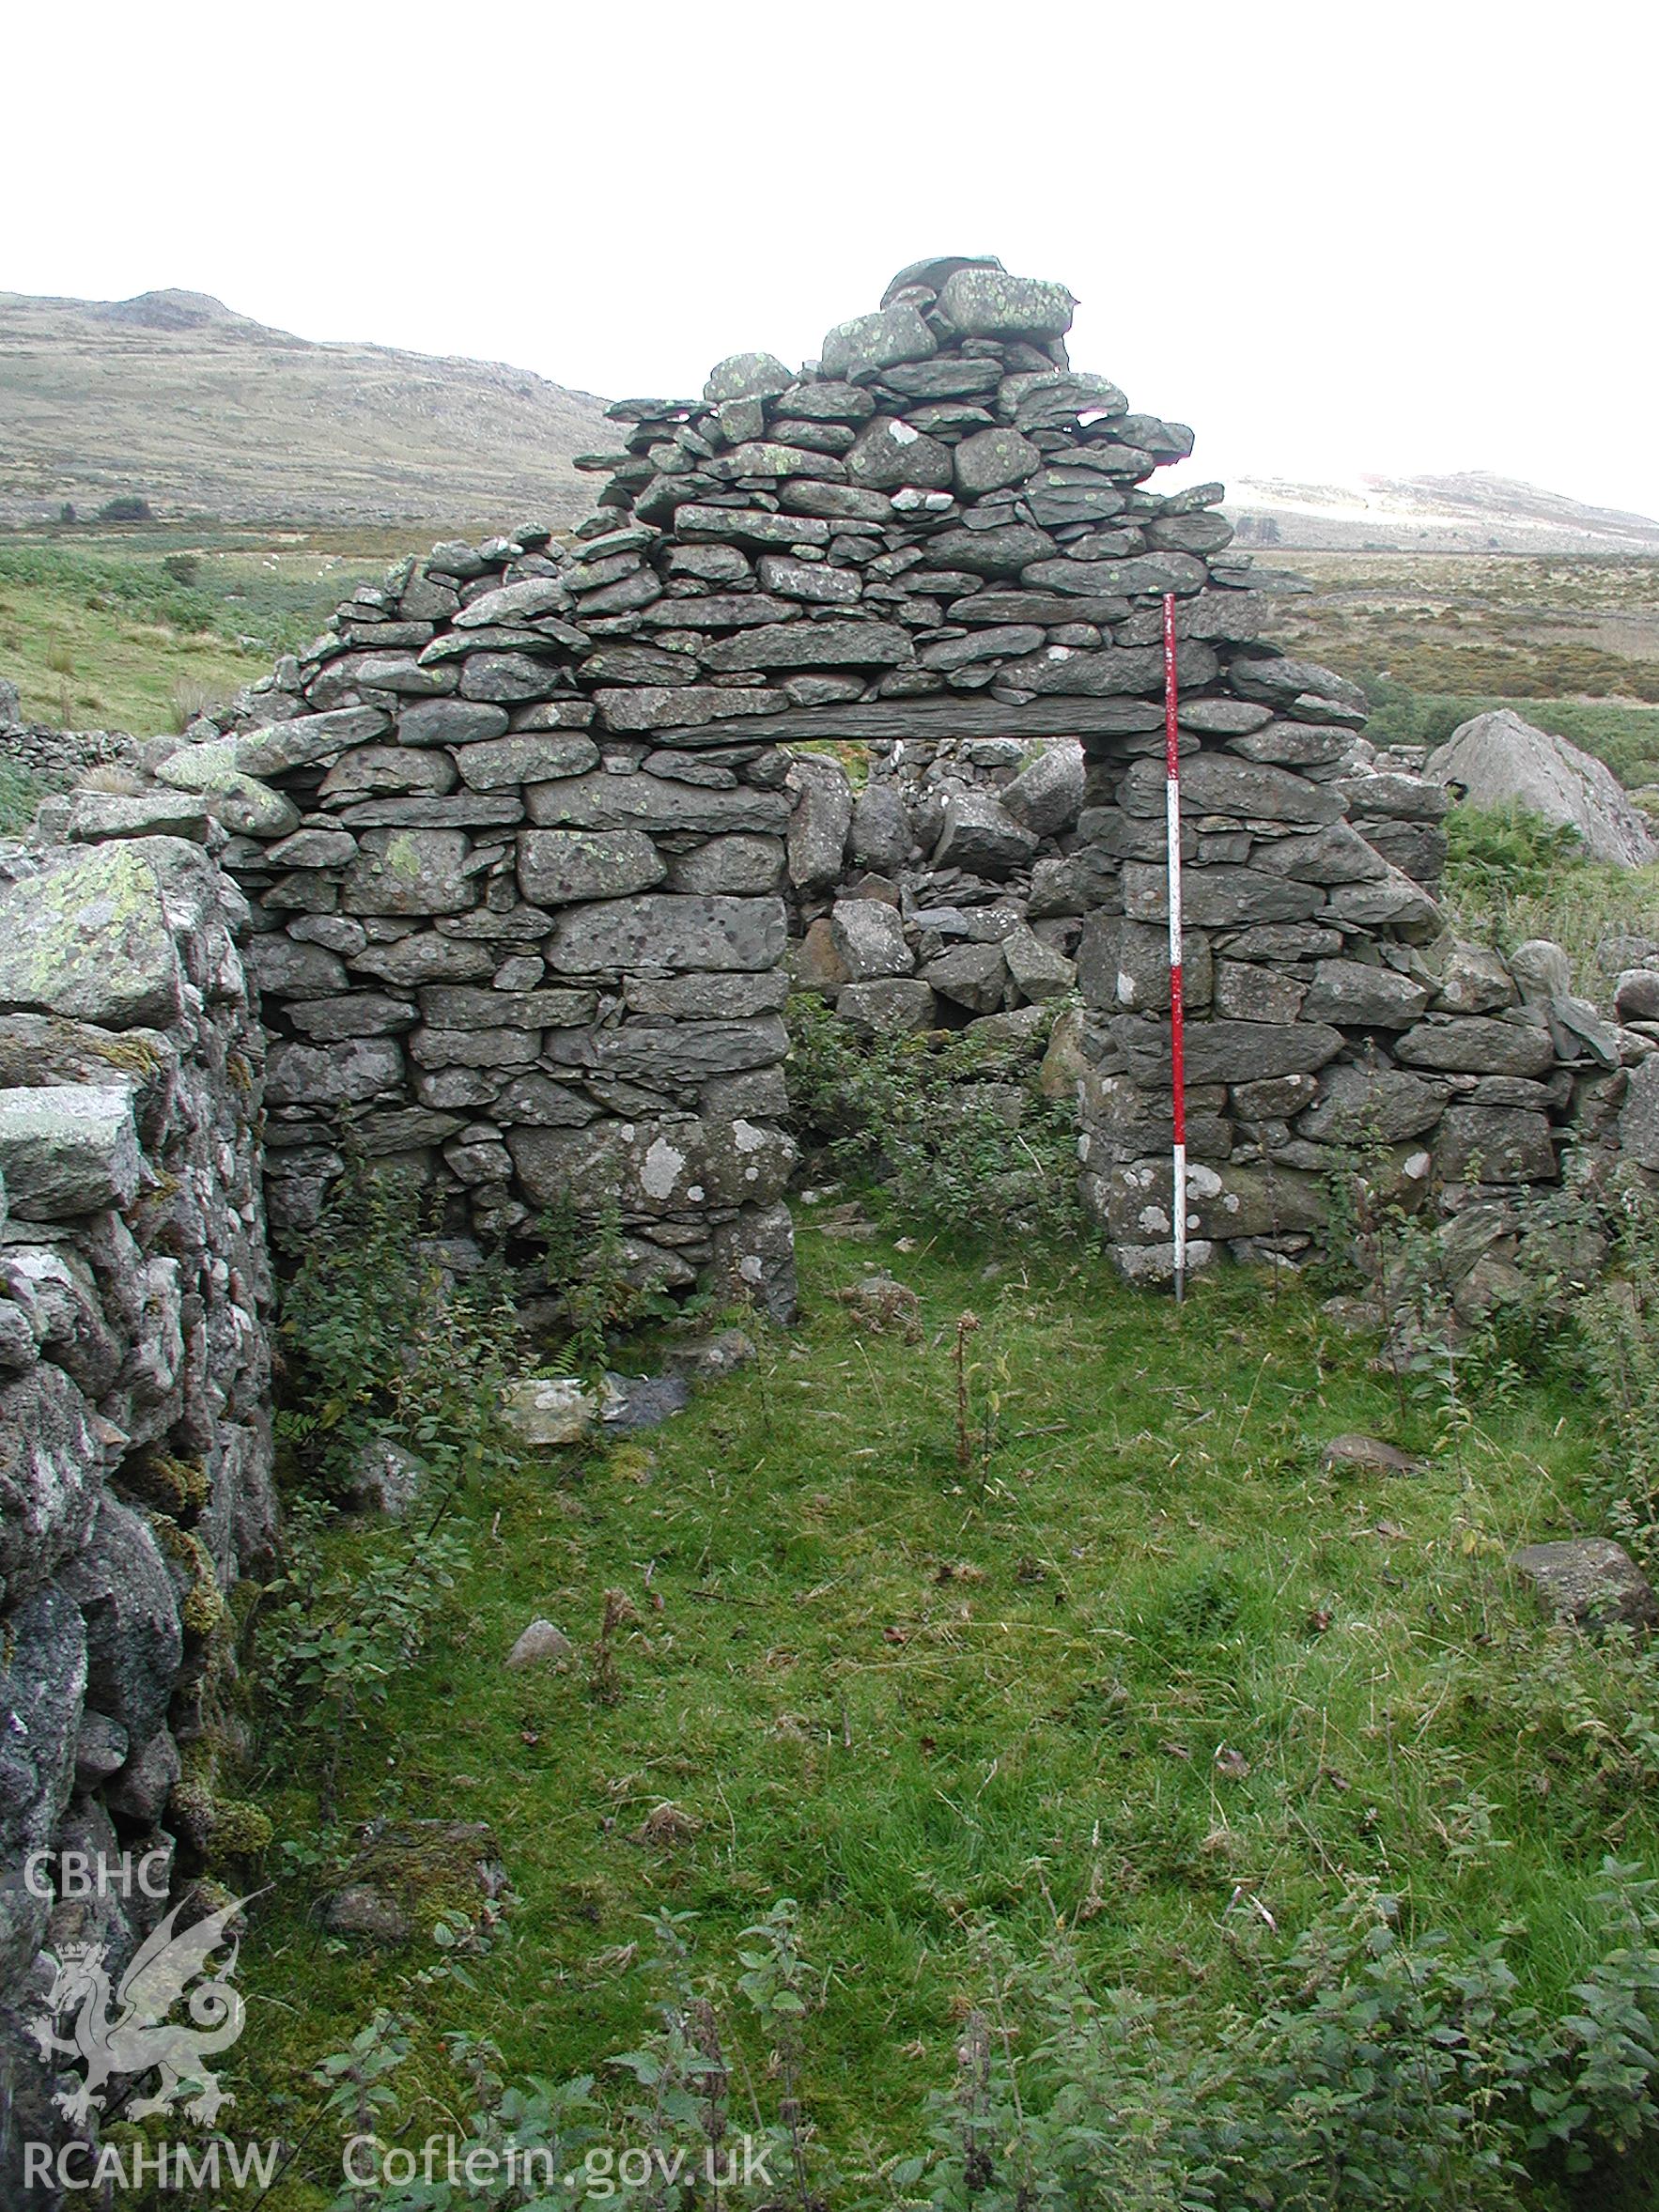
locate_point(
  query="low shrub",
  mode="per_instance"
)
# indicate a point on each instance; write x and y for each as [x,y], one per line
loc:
[932,1118]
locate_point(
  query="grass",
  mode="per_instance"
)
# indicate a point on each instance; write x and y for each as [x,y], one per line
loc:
[1141,1665]
[96,633]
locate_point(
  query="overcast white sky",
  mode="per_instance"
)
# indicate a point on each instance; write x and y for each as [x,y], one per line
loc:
[1388,236]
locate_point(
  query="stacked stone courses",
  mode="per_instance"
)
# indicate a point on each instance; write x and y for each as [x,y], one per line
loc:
[524,839]
[136,1437]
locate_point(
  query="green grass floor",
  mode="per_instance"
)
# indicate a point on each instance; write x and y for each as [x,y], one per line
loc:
[1142,1665]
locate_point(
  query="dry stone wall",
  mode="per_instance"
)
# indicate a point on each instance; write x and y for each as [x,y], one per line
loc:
[524,840]
[135,1460]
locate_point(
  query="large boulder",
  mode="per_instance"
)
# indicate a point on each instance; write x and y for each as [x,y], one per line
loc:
[1498,760]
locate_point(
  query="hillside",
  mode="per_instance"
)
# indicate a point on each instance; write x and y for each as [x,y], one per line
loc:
[175,398]
[1468,512]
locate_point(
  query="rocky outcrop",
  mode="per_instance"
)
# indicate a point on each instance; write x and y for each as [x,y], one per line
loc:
[135,1478]
[1497,760]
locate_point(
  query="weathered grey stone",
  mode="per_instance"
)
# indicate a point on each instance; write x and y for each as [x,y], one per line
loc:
[134,1642]
[539,1103]
[974,976]
[507,678]
[558,866]
[652,1169]
[856,350]
[748,526]
[881,836]
[1228,1052]
[1366,1455]
[88,937]
[1636,994]
[450,722]
[1477,1045]
[889,452]
[1393,794]
[426,958]
[870,939]
[1123,965]
[1589,1581]
[1216,783]
[826,400]
[356,1013]
[1008,549]
[312,848]
[461,809]
[1245,990]
[1217,898]
[457,1006]
[746,375]
[68,1149]
[1390,905]
[516,603]
[1360,1106]
[727,997]
[983,644]
[42,1678]
[992,458]
[819,823]
[410,871]
[540,1644]
[279,964]
[673,1053]
[680,708]
[1046,796]
[767,459]
[809,645]
[1286,745]
[1276,680]
[342,1075]
[989,303]
[599,801]
[1638,1119]
[894,1002]
[51,1477]
[66,1315]
[1473,979]
[1493,1144]
[1356,995]
[982,836]
[1542,970]
[451,1049]
[664,931]
[531,756]
[740,864]
[1039,972]
[272,750]
[95,815]
[1335,854]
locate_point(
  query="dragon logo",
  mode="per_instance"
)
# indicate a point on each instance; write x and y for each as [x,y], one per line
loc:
[136,2038]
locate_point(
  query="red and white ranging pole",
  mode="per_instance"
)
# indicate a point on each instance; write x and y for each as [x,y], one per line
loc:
[1177,1011]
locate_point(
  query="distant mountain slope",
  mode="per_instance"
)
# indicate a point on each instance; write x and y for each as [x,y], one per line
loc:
[174,398]
[1472,513]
